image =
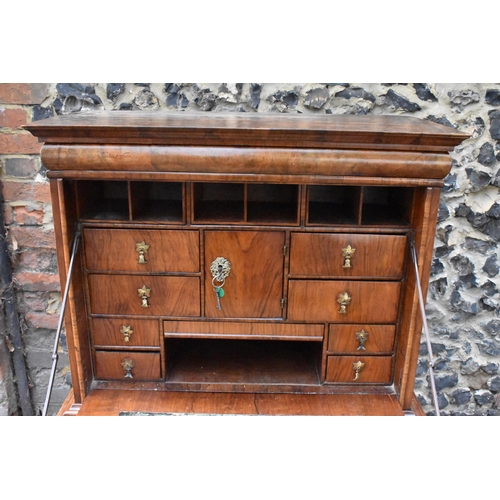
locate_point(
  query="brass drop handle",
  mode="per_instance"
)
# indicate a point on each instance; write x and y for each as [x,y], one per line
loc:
[127,332]
[362,337]
[127,365]
[144,294]
[358,368]
[344,300]
[347,254]
[142,248]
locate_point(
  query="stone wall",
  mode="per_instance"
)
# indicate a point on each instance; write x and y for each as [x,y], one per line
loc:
[463,301]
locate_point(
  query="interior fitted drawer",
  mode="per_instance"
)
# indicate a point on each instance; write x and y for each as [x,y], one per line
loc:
[353,338]
[371,370]
[112,365]
[126,332]
[162,250]
[369,301]
[168,295]
[242,330]
[320,254]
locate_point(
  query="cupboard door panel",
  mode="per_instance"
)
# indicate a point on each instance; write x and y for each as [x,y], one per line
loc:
[370,302]
[320,254]
[254,287]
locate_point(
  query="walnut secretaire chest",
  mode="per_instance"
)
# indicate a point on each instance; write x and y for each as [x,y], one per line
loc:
[237,256]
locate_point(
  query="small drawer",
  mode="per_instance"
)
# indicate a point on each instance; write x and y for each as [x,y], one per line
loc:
[240,330]
[125,332]
[347,255]
[370,369]
[128,366]
[367,301]
[361,339]
[144,295]
[163,250]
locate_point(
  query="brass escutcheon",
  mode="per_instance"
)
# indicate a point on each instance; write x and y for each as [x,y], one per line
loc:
[362,337]
[347,253]
[344,300]
[142,248]
[144,294]
[220,268]
[358,367]
[127,332]
[127,365]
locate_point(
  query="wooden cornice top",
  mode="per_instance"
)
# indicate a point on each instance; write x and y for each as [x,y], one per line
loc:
[376,132]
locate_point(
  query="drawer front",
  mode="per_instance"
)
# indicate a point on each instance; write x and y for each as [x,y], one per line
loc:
[168,295]
[113,365]
[125,332]
[361,339]
[319,254]
[374,369]
[370,302]
[240,330]
[140,250]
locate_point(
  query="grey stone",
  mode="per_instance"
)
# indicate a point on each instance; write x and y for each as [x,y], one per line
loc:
[489,288]
[484,397]
[492,327]
[468,281]
[125,106]
[316,98]
[442,401]
[461,396]
[443,251]
[490,368]
[437,267]
[492,97]
[443,381]
[423,92]
[489,347]
[440,119]
[443,212]
[486,155]
[477,124]
[462,98]
[462,265]
[462,210]
[494,412]
[146,100]
[113,90]
[491,267]
[205,100]
[443,233]
[478,178]
[438,287]
[39,113]
[477,220]
[476,245]
[494,117]
[255,91]
[494,211]
[488,304]
[356,92]
[397,101]
[493,384]
[469,367]
[492,229]
[459,304]
[496,181]
[289,98]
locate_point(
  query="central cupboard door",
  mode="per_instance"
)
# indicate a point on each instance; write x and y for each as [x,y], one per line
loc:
[254,287]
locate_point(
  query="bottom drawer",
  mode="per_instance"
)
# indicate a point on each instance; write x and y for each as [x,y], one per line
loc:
[113,365]
[359,369]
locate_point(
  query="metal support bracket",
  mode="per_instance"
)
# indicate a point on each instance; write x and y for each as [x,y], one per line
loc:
[55,355]
[426,330]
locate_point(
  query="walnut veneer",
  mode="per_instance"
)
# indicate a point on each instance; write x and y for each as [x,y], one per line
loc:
[315,215]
